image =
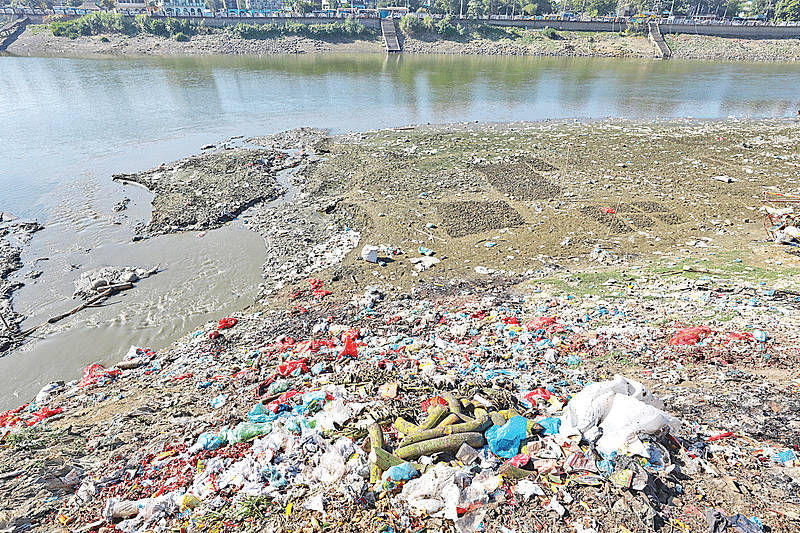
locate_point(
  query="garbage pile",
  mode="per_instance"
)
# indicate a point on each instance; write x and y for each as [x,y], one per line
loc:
[468,413]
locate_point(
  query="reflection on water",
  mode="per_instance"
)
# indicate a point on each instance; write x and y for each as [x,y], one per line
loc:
[57,112]
[68,124]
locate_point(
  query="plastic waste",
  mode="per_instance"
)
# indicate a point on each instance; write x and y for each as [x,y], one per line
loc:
[610,413]
[218,401]
[550,425]
[505,440]
[402,472]
[437,492]
[369,253]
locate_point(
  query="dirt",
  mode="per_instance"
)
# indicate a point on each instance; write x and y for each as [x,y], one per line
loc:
[618,227]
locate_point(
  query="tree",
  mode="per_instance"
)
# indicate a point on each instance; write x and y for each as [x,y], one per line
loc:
[788,10]
[107,4]
[764,8]
[303,6]
[474,9]
[601,8]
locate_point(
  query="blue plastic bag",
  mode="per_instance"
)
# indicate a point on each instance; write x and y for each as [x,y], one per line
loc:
[550,425]
[260,414]
[209,441]
[402,472]
[505,440]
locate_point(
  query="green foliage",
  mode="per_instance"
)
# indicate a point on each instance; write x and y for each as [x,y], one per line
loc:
[540,7]
[415,26]
[181,37]
[601,8]
[348,28]
[446,28]
[36,437]
[303,6]
[104,22]
[92,24]
[550,33]
[475,9]
[788,10]
[495,32]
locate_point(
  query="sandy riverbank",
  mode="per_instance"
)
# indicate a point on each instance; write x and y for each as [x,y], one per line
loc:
[620,233]
[37,40]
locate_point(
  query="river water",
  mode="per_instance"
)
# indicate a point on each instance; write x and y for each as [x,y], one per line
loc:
[68,124]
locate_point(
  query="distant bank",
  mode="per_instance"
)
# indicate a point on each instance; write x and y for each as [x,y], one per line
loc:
[38,40]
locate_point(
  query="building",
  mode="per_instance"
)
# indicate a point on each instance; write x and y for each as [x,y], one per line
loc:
[181,8]
[132,7]
[265,5]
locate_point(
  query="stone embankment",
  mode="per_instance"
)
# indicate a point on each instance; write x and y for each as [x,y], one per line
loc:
[38,40]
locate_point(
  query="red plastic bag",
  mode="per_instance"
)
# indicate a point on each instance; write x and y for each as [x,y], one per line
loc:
[436,400]
[43,413]
[744,336]
[609,210]
[282,399]
[519,460]
[690,336]
[93,373]
[511,321]
[225,323]
[540,323]
[542,393]
[350,349]
[289,367]
[11,418]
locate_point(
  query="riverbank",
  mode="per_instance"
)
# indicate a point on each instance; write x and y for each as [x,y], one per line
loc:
[37,40]
[516,263]
[14,235]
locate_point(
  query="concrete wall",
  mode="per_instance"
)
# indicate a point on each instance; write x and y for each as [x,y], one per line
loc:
[740,32]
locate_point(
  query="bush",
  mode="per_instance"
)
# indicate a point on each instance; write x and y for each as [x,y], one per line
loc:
[445,28]
[487,30]
[348,28]
[415,26]
[550,33]
[105,22]
[181,37]
[92,24]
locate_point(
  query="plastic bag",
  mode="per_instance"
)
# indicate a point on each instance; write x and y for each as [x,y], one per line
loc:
[245,431]
[591,405]
[402,472]
[331,467]
[437,492]
[690,336]
[505,440]
[626,418]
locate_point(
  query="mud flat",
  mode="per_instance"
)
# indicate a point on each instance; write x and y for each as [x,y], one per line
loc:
[568,252]
[13,236]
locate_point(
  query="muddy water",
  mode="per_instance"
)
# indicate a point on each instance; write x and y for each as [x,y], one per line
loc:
[68,124]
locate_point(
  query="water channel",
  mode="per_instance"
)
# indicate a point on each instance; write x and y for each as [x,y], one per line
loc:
[68,124]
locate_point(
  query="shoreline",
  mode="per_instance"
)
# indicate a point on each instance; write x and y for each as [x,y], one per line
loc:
[10,252]
[37,40]
[517,219]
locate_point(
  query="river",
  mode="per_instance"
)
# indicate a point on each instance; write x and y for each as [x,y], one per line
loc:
[68,124]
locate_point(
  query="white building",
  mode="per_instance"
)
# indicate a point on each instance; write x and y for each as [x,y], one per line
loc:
[181,8]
